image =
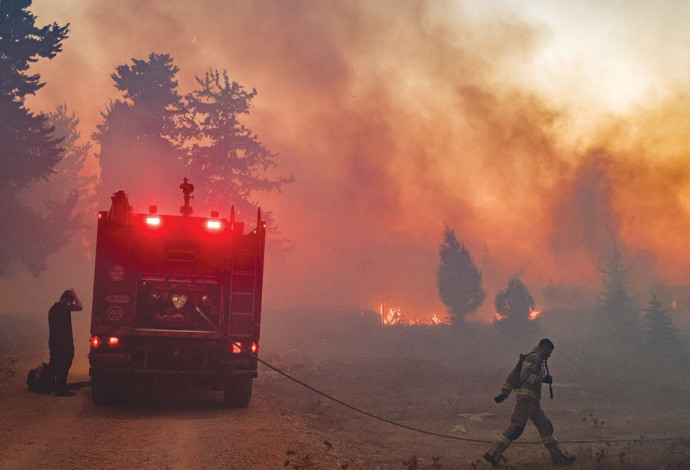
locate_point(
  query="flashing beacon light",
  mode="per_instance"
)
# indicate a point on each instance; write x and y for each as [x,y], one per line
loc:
[213,224]
[153,220]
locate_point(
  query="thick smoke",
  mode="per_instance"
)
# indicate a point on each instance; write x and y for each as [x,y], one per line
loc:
[397,118]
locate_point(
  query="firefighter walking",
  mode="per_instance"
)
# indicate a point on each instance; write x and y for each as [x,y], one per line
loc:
[527,383]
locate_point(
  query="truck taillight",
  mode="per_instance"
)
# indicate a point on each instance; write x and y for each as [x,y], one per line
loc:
[238,347]
[111,341]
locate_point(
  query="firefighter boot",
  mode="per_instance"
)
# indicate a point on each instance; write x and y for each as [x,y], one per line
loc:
[557,456]
[496,451]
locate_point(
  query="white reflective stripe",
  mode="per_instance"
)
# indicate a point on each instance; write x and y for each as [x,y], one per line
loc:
[533,379]
[526,392]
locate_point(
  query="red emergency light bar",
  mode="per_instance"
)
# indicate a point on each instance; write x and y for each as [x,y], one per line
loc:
[153,220]
[214,224]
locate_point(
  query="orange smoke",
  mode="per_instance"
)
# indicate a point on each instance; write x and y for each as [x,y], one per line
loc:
[397,118]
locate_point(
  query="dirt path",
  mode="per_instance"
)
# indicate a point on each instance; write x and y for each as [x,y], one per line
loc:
[289,427]
[189,429]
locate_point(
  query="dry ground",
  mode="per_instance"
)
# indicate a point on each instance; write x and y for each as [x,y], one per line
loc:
[425,378]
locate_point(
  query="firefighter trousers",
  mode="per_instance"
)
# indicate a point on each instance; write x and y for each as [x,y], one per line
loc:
[526,409]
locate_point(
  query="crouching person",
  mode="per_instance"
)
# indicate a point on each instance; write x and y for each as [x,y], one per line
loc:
[61,340]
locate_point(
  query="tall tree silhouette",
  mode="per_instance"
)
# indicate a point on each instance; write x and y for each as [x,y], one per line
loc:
[620,314]
[67,176]
[226,157]
[151,137]
[29,150]
[139,136]
[458,279]
[660,333]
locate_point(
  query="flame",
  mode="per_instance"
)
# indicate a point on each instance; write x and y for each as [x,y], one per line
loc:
[533,314]
[394,316]
[674,304]
[498,317]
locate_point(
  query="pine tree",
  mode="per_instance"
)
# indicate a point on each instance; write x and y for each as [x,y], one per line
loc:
[660,333]
[225,157]
[29,150]
[514,307]
[620,314]
[458,279]
[139,136]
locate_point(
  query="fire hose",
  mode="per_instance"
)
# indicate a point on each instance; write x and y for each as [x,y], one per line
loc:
[447,436]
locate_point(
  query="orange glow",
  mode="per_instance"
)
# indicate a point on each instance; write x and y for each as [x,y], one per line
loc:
[498,317]
[394,316]
[238,347]
[533,314]
[524,145]
[674,304]
[391,315]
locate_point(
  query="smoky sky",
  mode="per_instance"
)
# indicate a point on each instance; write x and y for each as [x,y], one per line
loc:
[397,118]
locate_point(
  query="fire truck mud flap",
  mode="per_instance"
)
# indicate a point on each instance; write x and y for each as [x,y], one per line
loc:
[104,390]
[237,392]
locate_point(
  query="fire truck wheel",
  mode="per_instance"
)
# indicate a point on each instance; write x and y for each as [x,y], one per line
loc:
[103,391]
[237,392]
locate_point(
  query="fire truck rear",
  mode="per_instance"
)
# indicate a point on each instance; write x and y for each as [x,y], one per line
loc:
[175,298]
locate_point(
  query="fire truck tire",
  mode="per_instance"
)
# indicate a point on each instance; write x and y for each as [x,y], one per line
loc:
[237,392]
[103,391]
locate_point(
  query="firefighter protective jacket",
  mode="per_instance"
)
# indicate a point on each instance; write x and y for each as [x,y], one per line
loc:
[531,375]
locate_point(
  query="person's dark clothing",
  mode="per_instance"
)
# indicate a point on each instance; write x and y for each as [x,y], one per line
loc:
[61,343]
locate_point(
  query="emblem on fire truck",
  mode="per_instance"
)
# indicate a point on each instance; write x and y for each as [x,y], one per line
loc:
[114,313]
[117,273]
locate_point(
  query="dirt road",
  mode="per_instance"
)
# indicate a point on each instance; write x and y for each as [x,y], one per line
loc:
[288,426]
[155,429]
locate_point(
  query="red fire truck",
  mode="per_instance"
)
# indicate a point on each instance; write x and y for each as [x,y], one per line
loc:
[175,297]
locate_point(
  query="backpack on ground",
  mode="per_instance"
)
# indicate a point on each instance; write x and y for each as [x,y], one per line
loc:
[41,379]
